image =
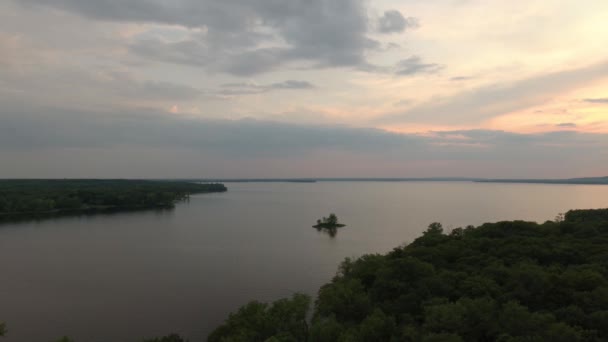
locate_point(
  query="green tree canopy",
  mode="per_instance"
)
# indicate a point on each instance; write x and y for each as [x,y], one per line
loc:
[168,338]
[282,320]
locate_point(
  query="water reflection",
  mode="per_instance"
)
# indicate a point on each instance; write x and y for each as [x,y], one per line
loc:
[331,231]
[81,214]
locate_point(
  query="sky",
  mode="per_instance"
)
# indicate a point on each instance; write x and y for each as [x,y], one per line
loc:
[303,88]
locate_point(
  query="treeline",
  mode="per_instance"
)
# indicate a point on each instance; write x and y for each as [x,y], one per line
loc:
[508,281]
[30,197]
[168,338]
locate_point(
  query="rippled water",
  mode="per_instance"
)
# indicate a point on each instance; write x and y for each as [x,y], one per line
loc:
[126,276]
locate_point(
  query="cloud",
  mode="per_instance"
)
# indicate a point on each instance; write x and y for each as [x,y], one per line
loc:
[566,125]
[461,78]
[292,84]
[414,65]
[25,127]
[498,99]
[242,37]
[47,141]
[254,62]
[108,87]
[394,22]
[598,100]
[161,90]
[189,52]
[244,88]
[403,102]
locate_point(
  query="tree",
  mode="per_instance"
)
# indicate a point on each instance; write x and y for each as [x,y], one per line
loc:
[346,299]
[326,330]
[332,219]
[64,339]
[168,338]
[283,320]
[2,329]
[376,327]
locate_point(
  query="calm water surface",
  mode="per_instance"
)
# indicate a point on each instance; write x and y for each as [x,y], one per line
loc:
[122,277]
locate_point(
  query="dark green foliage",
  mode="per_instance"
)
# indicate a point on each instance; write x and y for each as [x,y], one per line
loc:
[64,339]
[29,198]
[168,338]
[2,329]
[283,320]
[587,216]
[331,220]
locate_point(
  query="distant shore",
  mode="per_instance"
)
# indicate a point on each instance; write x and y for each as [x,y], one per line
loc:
[44,198]
[588,180]
[582,181]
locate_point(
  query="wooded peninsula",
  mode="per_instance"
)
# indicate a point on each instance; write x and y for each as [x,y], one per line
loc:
[45,197]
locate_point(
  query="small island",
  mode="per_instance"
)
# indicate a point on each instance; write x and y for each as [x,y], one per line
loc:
[329,222]
[329,225]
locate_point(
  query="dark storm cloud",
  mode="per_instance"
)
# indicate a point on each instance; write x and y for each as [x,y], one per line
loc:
[414,65]
[394,22]
[322,33]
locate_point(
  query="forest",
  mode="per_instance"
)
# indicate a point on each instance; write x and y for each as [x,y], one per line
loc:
[511,281]
[25,198]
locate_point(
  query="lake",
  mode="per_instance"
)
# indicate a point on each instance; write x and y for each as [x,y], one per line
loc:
[125,276]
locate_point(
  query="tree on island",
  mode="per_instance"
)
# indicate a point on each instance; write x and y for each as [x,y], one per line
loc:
[329,222]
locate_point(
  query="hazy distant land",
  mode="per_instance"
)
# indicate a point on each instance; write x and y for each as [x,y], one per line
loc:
[586,180]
